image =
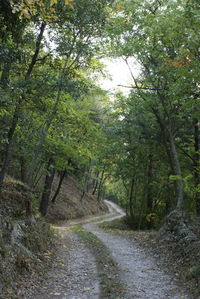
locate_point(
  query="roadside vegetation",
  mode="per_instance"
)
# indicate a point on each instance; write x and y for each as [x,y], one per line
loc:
[140,149]
[24,241]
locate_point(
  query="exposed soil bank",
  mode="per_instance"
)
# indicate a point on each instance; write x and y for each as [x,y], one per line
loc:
[70,204]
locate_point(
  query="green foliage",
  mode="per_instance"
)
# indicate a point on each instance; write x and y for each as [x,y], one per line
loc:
[115,225]
[138,149]
[47,94]
[193,272]
[152,130]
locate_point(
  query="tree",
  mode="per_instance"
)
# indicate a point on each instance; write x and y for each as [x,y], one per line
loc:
[78,24]
[168,81]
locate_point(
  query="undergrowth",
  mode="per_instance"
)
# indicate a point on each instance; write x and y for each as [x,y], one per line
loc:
[38,237]
[119,224]
[23,238]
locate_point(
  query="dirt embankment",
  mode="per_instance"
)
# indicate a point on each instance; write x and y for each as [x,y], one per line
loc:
[26,240]
[70,204]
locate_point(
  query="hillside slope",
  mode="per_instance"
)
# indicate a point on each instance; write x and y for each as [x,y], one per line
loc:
[69,204]
[26,239]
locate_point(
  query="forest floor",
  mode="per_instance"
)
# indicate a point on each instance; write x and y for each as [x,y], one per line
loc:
[93,263]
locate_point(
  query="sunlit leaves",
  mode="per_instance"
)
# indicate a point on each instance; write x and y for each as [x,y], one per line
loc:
[69,3]
[29,8]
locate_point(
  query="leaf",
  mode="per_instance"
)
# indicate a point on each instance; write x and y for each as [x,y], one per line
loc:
[69,3]
[25,13]
[175,177]
[52,2]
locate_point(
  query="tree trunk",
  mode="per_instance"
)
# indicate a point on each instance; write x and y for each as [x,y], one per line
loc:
[36,53]
[23,169]
[4,82]
[149,198]
[28,205]
[47,187]
[100,185]
[38,175]
[177,169]
[86,180]
[37,153]
[197,164]
[9,145]
[95,184]
[131,199]
[82,196]
[59,186]
[168,140]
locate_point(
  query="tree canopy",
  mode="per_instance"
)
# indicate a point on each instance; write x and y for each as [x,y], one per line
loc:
[142,150]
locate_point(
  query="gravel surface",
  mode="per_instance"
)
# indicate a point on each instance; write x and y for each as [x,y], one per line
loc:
[74,274]
[139,271]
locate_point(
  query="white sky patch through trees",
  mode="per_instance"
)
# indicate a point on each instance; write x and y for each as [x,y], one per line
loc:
[119,74]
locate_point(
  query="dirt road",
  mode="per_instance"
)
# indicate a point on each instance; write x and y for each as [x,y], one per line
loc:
[75,276]
[139,272]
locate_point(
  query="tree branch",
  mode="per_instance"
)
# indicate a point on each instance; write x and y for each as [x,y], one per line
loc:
[137,87]
[185,153]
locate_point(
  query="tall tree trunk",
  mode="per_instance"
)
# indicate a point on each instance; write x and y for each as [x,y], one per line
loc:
[28,205]
[168,141]
[38,174]
[37,50]
[177,169]
[59,186]
[11,131]
[23,169]
[37,153]
[86,180]
[47,187]
[9,145]
[100,185]
[197,164]
[131,198]
[149,198]
[95,183]
[4,81]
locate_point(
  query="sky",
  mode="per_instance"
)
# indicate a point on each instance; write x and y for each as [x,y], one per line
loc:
[120,74]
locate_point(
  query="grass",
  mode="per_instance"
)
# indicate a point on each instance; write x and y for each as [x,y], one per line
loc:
[193,272]
[110,284]
[96,219]
[115,226]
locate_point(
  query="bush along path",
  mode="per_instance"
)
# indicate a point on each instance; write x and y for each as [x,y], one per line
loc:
[92,263]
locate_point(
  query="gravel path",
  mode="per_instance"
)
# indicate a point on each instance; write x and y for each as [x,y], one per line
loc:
[74,274]
[140,272]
